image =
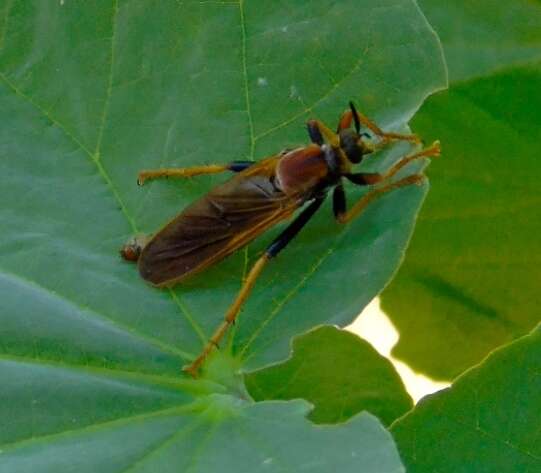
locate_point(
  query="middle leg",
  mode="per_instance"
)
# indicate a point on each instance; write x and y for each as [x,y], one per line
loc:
[272,251]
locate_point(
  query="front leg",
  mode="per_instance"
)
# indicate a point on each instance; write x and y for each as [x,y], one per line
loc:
[339,199]
[363,178]
[354,115]
[370,178]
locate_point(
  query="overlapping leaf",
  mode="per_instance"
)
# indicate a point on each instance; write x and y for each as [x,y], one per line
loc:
[470,281]
[339,373]
[487,421]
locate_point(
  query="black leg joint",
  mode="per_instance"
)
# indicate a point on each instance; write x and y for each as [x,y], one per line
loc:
[295,227]
[339,201]
[315,134]
[238,166]
[363,178]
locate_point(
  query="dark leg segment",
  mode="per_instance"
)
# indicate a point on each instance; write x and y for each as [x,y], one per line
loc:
[319,132]
[295,227]
[339,201]
[364,178]
[273,249]
[238,166]
[315,134]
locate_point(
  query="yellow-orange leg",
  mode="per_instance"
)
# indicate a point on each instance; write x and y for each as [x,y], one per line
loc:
[364,201]
[432,151]
[181,172]
[373,194]
[230,316]
[347,118]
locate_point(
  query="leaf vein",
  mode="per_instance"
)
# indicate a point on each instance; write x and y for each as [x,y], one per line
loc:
[94,427]
[109,89]
[103,174]
[162,445]
[35,286]
[308,109]
[285,299]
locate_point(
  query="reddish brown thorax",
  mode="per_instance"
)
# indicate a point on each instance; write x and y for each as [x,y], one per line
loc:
[301,169]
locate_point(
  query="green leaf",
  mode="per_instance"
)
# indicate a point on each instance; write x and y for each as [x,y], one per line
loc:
[93,92]
[339,373]
[488,421]
[58,419]
[79,122]
[470,279]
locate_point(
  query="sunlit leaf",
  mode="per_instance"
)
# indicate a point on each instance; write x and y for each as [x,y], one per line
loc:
[488,421]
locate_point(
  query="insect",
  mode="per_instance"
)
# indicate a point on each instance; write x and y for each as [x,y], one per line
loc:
[262,194]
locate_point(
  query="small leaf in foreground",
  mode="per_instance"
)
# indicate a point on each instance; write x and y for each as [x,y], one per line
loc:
[339,373]
[488,421]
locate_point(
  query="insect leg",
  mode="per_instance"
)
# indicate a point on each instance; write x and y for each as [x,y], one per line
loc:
[347,118]
[344,216]
[315,134]
[319,131]
[369,178]
[234,166]
[278,244]
[339,200]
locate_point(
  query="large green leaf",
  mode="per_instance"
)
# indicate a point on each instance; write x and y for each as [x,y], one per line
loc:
[90,95]
[339,373]
[92,92]
[470,281]
[488,421]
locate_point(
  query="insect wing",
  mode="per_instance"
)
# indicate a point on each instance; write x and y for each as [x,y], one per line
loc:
[224,220]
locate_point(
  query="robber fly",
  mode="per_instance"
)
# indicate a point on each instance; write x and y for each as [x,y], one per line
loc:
[260,195]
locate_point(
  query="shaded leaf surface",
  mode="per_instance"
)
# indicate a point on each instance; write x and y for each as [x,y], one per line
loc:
[339,373]
[488,421]
[470,279]
[92,92]
[58,419]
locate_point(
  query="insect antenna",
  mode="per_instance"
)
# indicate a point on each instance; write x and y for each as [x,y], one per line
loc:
[355,117]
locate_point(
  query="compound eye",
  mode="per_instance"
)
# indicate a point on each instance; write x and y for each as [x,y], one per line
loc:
[352,146]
